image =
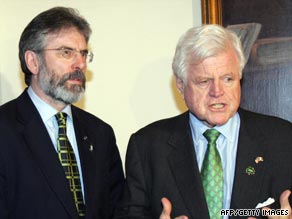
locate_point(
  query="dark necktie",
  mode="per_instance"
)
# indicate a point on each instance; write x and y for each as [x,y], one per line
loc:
[68,161]
[212,175]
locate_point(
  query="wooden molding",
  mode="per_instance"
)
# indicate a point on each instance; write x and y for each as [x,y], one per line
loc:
[211,11]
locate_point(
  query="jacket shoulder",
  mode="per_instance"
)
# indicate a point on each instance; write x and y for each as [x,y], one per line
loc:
[265,124]
[166,125]
[254,117]
[88,118]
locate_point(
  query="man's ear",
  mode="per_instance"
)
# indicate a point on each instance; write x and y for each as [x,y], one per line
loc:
[32,61]
[179,84]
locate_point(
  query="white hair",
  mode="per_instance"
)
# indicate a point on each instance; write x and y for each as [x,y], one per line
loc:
[199,43]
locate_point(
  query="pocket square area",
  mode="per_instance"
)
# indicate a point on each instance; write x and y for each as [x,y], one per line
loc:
[268,202]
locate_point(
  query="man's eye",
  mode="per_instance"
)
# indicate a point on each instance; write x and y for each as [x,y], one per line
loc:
[228,79]
[84,53]
[204,82]
[67,52]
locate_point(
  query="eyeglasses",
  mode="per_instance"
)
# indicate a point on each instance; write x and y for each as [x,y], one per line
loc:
[70,53]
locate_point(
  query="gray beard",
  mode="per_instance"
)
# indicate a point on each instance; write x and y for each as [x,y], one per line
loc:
[58,90]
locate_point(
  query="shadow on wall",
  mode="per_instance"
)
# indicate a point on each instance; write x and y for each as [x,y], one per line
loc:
[158,99]
[177,96]
[7,93]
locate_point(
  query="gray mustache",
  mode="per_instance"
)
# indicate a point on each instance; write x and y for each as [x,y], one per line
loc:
[77,75]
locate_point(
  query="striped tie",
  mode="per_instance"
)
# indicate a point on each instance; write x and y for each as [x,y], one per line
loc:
[68,161]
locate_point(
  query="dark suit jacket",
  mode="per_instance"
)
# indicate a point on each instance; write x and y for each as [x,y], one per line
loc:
[161,162]
[32,181]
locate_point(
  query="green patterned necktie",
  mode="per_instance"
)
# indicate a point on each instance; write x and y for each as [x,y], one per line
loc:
[212,175]
[68,161]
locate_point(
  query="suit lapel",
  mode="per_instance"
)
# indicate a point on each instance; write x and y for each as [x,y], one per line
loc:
[182,161]
[247,187]
[87,150]
[89,146]
[39,143]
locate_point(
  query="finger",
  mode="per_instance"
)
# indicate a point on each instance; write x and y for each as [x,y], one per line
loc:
[284,199]
[167,207]
[166,204]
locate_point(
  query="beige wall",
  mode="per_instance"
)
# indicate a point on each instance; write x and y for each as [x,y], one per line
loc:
[130,82]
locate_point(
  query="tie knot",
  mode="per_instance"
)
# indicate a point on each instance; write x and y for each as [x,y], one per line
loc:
[61,118]
[211,135]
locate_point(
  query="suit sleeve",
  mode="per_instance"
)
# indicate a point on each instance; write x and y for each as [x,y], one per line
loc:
[135,202]
[116,174]
[3,192]
[4,175]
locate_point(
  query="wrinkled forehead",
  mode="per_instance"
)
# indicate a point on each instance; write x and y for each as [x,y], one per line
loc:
[65,35]
[64,32]
[223,63]
[216,69]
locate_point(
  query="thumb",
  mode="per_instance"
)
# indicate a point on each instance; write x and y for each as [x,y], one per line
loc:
[284,199]
[166,204]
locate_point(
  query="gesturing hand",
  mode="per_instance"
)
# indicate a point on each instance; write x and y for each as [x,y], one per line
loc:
[165,214]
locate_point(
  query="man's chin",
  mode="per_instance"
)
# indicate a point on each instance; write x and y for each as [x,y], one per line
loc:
[68,97]
[215,122]
[75,88]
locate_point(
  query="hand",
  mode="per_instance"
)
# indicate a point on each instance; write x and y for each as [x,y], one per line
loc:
[165,214]
[284,201]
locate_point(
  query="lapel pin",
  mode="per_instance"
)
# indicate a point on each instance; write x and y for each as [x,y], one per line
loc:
[85,137]
[250,170]
[259,159]
[91,148]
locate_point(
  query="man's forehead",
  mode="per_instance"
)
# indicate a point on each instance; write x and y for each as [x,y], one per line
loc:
[65,35]
[62,32]
[209,68]
[224,61]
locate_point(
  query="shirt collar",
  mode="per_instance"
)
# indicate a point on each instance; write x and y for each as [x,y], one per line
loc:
[228,130]
[45,110]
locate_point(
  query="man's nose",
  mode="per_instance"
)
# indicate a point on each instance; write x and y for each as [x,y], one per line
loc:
[216,89]
[79,62]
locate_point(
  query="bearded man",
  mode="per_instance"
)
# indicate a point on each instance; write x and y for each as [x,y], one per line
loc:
[56,160]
